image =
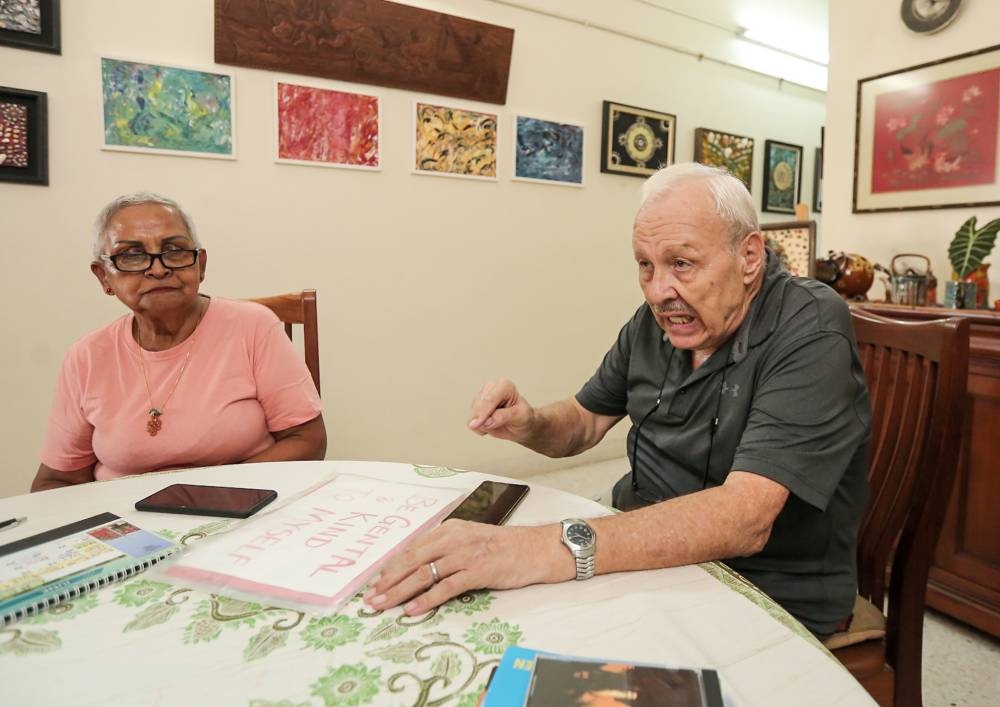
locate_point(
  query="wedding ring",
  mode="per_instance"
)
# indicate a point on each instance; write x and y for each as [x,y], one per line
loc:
[434,572]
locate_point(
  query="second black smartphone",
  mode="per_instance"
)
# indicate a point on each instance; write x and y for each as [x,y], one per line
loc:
[491,502]
[195,499]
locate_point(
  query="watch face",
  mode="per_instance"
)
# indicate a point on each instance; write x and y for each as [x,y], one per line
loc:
[928,15]
[580,534]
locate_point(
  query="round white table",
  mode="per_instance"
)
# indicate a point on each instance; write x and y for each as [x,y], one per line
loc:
[147,641]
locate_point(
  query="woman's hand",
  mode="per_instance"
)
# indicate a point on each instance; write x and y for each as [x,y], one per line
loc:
[469,556]
[300,443]
[49,478]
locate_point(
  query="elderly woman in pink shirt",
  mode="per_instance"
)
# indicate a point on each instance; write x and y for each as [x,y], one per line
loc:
[182,380]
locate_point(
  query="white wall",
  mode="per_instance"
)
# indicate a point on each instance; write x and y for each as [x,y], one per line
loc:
[428,287]
[888,46]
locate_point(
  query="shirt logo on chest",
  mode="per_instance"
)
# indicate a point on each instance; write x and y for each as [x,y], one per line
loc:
[732,391]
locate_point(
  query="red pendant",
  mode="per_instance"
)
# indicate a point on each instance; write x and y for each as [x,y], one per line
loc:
[153,424]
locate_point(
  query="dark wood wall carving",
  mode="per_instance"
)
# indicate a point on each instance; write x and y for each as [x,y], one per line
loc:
[367,41]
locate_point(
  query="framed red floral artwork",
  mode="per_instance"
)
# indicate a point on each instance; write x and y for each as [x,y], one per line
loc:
[928,136]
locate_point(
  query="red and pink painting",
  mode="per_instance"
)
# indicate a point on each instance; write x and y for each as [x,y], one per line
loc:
[942,134]
[325,127]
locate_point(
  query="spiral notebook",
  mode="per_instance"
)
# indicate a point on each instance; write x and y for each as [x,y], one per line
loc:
[61,564]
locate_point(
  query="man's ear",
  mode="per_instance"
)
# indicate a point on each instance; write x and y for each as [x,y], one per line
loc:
[752,250]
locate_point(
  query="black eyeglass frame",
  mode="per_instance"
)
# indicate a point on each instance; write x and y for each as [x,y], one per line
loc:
[153,257]
[713,426]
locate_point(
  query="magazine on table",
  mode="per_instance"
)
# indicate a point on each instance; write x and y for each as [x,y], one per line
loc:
[530,678]
[61,564]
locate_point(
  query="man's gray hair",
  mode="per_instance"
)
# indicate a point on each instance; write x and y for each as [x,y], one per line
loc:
[135,199]
[733,203]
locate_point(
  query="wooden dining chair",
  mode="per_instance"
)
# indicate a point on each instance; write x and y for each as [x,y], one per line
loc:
[916,373]
[298,308]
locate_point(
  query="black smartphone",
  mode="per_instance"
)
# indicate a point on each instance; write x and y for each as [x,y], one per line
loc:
[195,499]
[492,502]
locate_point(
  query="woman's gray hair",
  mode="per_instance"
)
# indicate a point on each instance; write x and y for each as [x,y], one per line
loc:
[733,203]
[135,199]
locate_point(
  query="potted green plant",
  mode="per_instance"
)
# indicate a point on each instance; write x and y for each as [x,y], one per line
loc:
[966,252]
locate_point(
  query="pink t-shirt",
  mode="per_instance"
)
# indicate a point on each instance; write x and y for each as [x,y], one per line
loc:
[244,380]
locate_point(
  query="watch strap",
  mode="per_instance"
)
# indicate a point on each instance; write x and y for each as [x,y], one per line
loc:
[584,567]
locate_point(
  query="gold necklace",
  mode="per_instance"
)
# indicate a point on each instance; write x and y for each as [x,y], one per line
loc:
[154,424]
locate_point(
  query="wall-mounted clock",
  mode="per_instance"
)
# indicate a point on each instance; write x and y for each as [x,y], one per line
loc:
[929,15]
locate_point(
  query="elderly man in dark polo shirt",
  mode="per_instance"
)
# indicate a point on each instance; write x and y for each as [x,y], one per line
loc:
[750,426]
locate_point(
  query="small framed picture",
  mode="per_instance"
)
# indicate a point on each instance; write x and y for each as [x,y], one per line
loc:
[167,110]
[454,142]
[794,243]
[24,136]
[782,176]
[30,24]
[636,141]
[734,153]
[548,152]
[322,127]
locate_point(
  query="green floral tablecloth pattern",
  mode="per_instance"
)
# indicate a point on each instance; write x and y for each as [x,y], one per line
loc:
[360,656]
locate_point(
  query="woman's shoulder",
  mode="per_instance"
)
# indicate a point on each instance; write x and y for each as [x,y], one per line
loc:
[241,313]
[103,336]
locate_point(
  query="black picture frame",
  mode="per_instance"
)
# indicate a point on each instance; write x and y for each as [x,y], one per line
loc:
[36,171]
[636,142]
[782,177]
[818,182]
[48,40]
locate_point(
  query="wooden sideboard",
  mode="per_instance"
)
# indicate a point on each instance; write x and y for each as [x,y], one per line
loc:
[965,577]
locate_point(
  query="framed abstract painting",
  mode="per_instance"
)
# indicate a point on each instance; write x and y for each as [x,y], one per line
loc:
[548,152]
[24,146]
[636,141]
[322,127]
[167,110]
[454,142]
[30,24]
[928,136]
[782,177]
[794,243]
[734,153]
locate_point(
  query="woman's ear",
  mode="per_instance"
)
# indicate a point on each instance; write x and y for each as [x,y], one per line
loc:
[101,273]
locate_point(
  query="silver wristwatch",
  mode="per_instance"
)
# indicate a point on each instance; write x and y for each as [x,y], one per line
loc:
[581,540]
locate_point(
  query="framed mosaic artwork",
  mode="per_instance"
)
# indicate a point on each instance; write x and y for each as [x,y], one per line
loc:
[548,152]
[734,153]
[326,128]
[794,243]
[928,136]
[30,24]
[24,142]
[454,142]
[167,110]
[636,141]
[782,177]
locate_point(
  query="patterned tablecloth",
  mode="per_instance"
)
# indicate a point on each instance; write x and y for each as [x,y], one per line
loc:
[149,642]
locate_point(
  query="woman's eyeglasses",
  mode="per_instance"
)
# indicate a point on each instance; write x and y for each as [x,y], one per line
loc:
[141,262]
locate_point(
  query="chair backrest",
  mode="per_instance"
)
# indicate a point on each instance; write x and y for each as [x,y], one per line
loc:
[916,373]
[299,308]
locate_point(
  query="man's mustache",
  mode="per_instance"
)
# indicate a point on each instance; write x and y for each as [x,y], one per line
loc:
[673,307]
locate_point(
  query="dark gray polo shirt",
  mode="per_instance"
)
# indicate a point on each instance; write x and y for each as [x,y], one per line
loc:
[792,405]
